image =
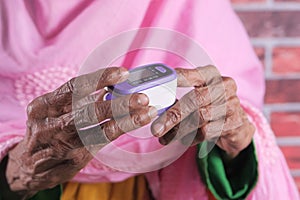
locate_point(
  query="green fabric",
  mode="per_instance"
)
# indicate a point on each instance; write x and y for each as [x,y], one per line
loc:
[232,179]
[50,194]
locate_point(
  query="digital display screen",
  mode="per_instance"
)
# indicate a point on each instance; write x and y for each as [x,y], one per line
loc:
[140,74]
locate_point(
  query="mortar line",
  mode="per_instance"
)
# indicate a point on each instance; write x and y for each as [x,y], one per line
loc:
[267,6]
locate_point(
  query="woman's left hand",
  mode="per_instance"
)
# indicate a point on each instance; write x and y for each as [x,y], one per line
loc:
[212,110]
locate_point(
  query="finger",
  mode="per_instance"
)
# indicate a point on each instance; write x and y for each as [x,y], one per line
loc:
[234,120]
[89,83]
[198,77]
[56,111]
[41,133]
[215,95]
[229,113]
[53,136]
[43,160]
[57,174]
[188,128]
[75,88]
[50,169]
[188,125]
[192,101]
[103,110]
[178,112]
[89,115]
[92,98]
[112,129]
[217,128]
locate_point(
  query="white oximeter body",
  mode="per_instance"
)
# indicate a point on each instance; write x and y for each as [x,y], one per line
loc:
[157,81]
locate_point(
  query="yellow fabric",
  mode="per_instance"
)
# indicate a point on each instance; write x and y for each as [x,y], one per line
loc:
[134,188]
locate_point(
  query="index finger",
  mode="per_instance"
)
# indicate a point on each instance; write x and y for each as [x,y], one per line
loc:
[179,111]
[88,83]
[200,76]
[75,89]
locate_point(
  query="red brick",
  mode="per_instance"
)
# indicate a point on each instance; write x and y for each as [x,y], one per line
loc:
[260,52]
[292,156]
[247,1]
[271,23]
[286,60]
[282,90]
[285,123]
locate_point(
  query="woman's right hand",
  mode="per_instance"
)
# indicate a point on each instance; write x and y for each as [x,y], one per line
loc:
[52,151]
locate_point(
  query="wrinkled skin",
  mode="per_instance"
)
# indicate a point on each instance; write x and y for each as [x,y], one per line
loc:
[211,110]
[52,152]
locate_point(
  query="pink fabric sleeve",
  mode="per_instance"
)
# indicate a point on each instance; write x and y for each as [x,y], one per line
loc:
[275,180]
[10,135]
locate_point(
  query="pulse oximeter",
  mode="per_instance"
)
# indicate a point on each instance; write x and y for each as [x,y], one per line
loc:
[157,81]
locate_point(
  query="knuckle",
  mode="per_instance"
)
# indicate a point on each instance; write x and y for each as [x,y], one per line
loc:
[109,75]
[233,139]
[252,129]
[193,101]
[211,68]
[66,123]
[235,101]
[119,106]
[76,159]
[230,111]
[30,108]
[233,106]
[201,97]
[230,84]
[35,105]
[102,111]
[205,114]
[68,87]
[110,130]
[140,119]
[85,116]
[174,115]
[211,74]
[35,130]
[70,84]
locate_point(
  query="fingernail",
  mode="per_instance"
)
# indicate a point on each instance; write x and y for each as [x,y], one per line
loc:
[162,141]
[142,100]
[158,129]
[152,112]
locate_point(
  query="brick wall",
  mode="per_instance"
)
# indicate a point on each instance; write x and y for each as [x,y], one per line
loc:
[274,28]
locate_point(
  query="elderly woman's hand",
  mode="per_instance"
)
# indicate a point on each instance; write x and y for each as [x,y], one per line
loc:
[211,109]
[52,151]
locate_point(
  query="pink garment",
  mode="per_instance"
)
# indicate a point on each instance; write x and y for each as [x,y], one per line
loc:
[43,43]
